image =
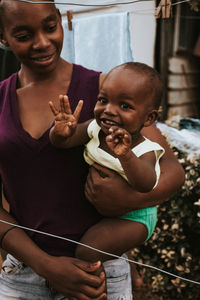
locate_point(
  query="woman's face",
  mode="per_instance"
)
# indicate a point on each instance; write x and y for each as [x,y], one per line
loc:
[34,33]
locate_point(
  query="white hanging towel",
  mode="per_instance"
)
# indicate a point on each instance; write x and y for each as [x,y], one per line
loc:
[99,42]
[68,43]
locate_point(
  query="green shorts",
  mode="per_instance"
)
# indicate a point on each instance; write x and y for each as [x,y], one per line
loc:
[146,216]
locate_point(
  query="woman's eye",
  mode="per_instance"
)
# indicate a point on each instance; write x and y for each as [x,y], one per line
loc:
[126,106]
[102,100]
[23,37]
[51,28]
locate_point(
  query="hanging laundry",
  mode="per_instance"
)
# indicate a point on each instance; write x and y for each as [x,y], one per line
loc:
[68,43]
[98,42]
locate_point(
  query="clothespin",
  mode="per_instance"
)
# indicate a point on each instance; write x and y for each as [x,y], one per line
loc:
[69,19]
[164,9]
[160,110]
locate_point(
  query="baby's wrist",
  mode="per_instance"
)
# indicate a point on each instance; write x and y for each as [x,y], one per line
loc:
[126,155]
[55,138]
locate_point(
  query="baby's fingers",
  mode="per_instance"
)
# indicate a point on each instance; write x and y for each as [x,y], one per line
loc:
[112,139]
[65,105]
[116,133]
[114,130]
[78,109]
[126,140]
[53,108]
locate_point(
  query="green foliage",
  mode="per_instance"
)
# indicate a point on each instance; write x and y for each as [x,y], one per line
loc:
[174,246]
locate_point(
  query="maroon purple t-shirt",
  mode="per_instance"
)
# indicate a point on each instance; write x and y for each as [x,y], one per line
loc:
[44,185]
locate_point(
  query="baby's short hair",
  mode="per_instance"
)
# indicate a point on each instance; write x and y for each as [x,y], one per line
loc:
[151,74]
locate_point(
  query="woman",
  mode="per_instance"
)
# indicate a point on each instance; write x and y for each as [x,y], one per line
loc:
[29,165]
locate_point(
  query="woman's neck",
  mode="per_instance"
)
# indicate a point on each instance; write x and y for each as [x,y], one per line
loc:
[27,76]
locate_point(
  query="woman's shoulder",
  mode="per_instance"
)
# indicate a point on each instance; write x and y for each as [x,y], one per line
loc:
[7,90]
[85,79]
[8,83]
[81,70]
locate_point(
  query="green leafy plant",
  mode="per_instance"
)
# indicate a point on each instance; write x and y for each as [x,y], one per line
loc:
[195,5]
[174,246]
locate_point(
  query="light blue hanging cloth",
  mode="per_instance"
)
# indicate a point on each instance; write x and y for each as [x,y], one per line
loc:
[68,43]
[98,42]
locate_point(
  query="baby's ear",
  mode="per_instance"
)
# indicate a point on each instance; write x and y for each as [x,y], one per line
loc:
[151,118]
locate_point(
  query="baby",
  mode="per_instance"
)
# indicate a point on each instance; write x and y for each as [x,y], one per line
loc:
[128,100]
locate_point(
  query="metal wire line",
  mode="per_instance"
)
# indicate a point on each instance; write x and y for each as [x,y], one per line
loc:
[100,251]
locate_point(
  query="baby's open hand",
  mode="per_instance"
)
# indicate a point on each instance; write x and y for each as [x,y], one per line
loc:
[65,121]
[119,140]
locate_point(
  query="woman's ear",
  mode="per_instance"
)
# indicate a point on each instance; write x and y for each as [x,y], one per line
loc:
[2,39]
[151,118]
[4,42]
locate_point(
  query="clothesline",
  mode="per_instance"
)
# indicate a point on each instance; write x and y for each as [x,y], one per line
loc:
[114,4]
[96,5]
[86,5]
[100,251]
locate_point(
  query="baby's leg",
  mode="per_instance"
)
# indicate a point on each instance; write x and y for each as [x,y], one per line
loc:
[111,235]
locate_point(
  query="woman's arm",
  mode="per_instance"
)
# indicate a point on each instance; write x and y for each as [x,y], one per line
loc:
[79,284]
[112,196]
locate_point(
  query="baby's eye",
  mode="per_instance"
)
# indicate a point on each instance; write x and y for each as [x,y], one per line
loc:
[126,106]
[102,100]
[51,28]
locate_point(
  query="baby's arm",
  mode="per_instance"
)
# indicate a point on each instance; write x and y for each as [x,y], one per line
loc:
[140,171]
[66,132]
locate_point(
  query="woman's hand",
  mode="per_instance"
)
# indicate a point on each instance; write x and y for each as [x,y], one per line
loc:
[70,276]
[73,278]
[106,190]
[112,196]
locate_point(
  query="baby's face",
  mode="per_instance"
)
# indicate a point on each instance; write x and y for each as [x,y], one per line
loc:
[124,101]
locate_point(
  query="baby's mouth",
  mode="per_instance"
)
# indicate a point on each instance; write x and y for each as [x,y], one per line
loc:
[109,122]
